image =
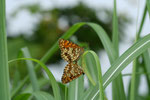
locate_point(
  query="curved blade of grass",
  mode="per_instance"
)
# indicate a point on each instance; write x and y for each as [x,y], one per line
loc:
[87,72]
[49,54]
[99,31]
[40,95]
[4,70]
[88,61]
[30,68]
[105,41]
[96,58]
[134,51]
[50,75]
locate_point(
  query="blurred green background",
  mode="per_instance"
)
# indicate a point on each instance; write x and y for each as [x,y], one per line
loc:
[54,23]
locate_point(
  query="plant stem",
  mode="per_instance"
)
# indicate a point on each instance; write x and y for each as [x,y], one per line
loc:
[4,72]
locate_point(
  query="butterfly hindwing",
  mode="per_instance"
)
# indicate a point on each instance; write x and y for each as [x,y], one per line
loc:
[70,51]
[71,72]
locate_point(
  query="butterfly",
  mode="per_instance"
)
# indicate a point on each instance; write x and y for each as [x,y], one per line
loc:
[70,52]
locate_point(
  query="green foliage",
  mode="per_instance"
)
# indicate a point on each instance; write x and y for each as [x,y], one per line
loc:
[39,88]
[48,30]
[4,70]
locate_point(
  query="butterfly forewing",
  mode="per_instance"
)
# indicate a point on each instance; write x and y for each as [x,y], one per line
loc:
[71,72]
[70,51]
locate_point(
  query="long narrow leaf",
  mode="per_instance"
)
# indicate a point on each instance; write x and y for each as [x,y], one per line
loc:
[142,22]
[99,31]
[148,6]
[40,95]
[134,51]
[133,81]
[4,71]
[98,67]
[50,53]
[54,84]
[118,92]
[101,93]
[91,72]
[76,87]
[146,57]
[30,68]
[115,35]
[24,96]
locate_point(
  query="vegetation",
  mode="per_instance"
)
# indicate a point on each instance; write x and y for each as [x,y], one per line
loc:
[33,86]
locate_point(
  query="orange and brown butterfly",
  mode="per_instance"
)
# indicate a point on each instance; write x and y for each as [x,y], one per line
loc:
[71,53]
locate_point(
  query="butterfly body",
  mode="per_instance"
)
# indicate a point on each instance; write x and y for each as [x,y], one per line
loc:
[70,52]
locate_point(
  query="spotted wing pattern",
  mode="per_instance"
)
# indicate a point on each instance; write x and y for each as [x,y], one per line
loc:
[70,51]
[71,72]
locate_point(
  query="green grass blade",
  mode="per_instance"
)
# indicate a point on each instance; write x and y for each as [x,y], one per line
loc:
[87,72]
[146,57]
[40,95]
[91,72]
[72,90]
[66,93]
[54,84]
[15,80]
[99,31]
[4,70]
[88,92]
[115,35]
[41,82]
[118,92]
[142,22]
[76,87]
[30,67]
[80,86]
[135,78]
[118,88]
[24,96]
[18,88]
[105,41]
[91,95]
[148,6]
[98,67]
[49,53]
[134,51]
[101,93]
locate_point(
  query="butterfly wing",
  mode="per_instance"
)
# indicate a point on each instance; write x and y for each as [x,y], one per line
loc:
[69,50]
[71,72]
